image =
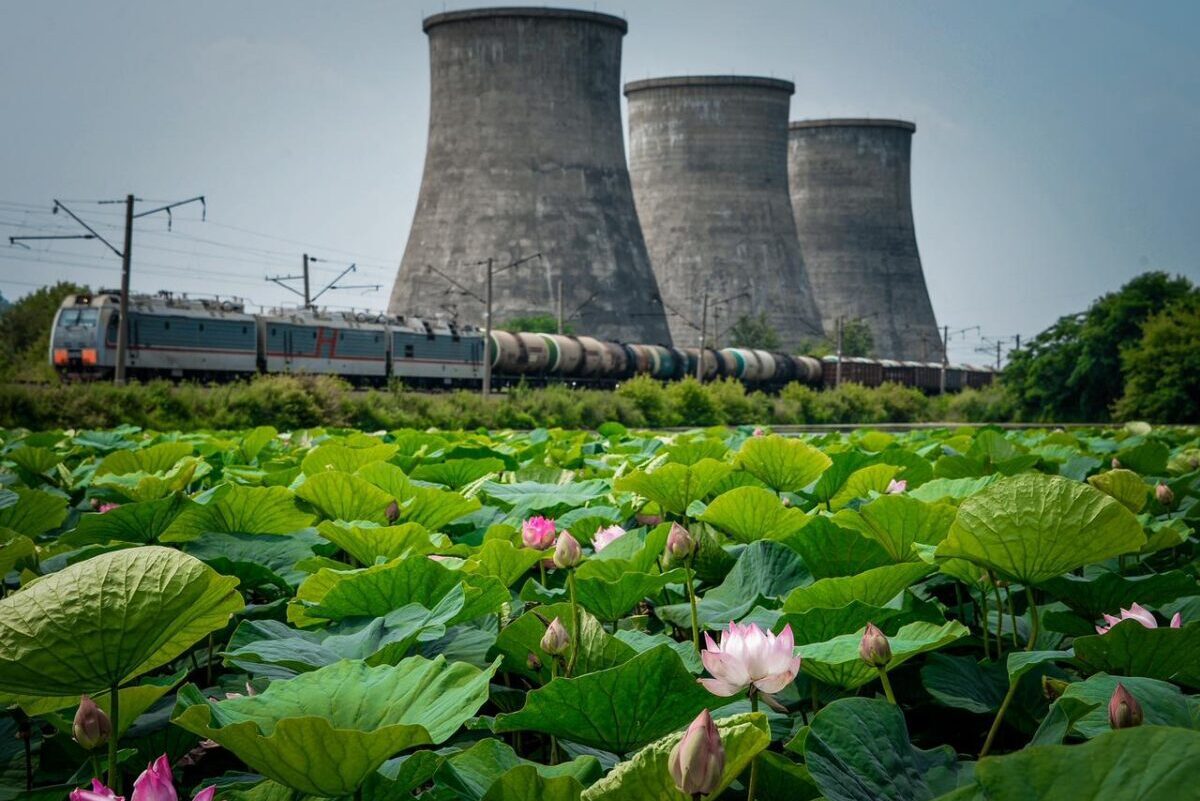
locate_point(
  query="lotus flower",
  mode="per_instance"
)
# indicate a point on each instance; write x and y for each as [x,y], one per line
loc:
[567,552]
[1124,711]
[1164,495]
[749,657]
[91,727]
[874,648]
[758,432]
[648,520]
[107,507]
[538,533]
[895,487]
[605,536]
[698,760]
[556,640]
[155,784]
[1141,615]
[679,542]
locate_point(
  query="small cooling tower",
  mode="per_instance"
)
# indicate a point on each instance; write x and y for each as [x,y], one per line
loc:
[526,155]
[708,158]
[852,198]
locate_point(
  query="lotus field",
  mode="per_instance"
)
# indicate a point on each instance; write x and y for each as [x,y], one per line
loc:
[945,614]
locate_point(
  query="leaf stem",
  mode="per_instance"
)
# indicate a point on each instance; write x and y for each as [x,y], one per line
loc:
[999,620]
[887,686]
[1012,613]
[692,600]
[574,623]
[114,716]
[991,736]
[208,671]
[983,621]
[754,762]
[1034,622]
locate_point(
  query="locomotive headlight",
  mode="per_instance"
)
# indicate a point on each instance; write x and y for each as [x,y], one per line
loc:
[88,356]
[60,356]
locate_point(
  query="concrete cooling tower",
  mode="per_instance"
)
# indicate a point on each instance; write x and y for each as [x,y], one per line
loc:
[852,199]
[708,158]
[526,155]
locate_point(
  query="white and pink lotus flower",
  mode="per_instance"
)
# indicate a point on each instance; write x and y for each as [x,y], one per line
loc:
[1141,615]
[747,656]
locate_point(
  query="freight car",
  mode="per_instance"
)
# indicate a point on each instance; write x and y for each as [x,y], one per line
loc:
[215,339]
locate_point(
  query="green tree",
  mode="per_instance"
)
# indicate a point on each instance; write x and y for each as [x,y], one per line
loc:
[753,331]
[535,324]
[25,332]
[1162,369]
[857,339]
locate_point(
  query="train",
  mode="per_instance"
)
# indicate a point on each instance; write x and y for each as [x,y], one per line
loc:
[215,339]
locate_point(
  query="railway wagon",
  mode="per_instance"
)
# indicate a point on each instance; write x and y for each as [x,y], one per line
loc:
[317,343]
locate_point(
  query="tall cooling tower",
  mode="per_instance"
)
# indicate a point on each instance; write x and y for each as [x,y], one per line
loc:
[526,155]
[708,157]
[853,204]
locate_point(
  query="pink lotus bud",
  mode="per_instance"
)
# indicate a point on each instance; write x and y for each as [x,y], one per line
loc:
[648,520]
[92,727]
[874,648]
[107,507]
[748,656]
[532,662]
[758,432]
[392,512]
[1116,463]
[895,487]
[538,533]
[156,782]
[1124,712]
[567,552]
[605,536]
[556,640]
[98,793]
[697,761]
[1176,620]
[1164,495]
[679,542]
[206,794]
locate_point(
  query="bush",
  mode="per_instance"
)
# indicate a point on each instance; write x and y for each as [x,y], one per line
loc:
[1162,370]
[651,400]
[851,403]
[735,405]
[693,404]
[797,404]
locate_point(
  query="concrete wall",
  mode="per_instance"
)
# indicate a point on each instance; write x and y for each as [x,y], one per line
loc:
[708,158]
[852,199]
[526,154]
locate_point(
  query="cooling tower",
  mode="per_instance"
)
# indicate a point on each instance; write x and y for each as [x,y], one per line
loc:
[851,195]
[526,155]
[708,158]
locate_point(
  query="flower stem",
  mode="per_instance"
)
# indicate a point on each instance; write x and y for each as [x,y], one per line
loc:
[887,686]
[1034,622]
[208,671]
[692,600]
[542,572]
[114,716]
[754,762]
[983,622]
[574,622]
[1012,613]
[97,772]
[991,735]
[999,620]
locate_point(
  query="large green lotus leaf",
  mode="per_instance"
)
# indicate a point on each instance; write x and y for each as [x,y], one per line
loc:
[830,550]
[1124,485]
[645,775]
[457,473]
[963,682]
[876,587]
[341,496]
[862,483]
[141,486]
[155,459]
[15,549]
[103,621]
[387,477]
[1161,534]
[530,497]
[142,523]
[619,709]
[1162,702]
[1147,457]
[1111,592]
[503,561]
[259,559]
[641,642]
[275,650]
[434,508]
[752,513]
[334,456]
[898,521]
[785,464]
[375,591]
[35,512]
[690,451]
[1034,527]
[368,544]
[675,486]
[599,650]
[824,623]
[528,783]
[1138,764]
[610,597]
[36,460]
[326,731]
[472,773]
[234,509]
[952,489]
[254,441]
[836,662]
[857,749]
[1131,649]
[135,699]
[765,572]
[844,463]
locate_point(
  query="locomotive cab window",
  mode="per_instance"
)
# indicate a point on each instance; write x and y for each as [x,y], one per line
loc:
[408,351]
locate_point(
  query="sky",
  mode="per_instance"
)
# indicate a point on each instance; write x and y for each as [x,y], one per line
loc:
[1056,152]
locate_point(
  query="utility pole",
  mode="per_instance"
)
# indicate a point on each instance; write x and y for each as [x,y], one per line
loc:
[307,296]
[945,358]
[123,327]
[837,378]
[487,333]
[310,299]
[703,334]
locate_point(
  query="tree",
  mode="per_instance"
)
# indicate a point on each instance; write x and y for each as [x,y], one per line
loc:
[857,339]
[25,331]
[535,324]
[1162,369]
[753,332]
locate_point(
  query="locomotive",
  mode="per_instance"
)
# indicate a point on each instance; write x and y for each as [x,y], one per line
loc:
[217,339]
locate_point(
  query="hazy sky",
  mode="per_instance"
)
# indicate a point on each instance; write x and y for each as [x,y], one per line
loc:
[1057,150]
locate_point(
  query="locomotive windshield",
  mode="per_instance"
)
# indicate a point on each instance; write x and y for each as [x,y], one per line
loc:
[73,318]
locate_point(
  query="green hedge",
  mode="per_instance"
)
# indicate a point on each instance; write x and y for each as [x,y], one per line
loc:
[302,401]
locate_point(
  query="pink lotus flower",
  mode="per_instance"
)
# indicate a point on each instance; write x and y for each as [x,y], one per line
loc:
[567,552]
[605,536]
[758,432]
[698,760]
[155,784]
[1141,615]
[538,533]
[107,507]
[749,657]
[648,520]
[895,487]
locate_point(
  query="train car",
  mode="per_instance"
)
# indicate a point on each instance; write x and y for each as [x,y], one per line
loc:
[855,369]
[432,353]
[896,372]
[351,345]
[979,377]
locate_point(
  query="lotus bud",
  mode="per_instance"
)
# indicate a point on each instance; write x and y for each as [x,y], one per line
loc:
[1176,620]
[874,648]
[1053,688]
[532,662]
[95,502]
[98,793]
[567,552]
[156,782]
[538,533]
[392,512]
[895,487]
[1164,495]
[680,544]
[107,507]
[648,520]
[1116,463]
[1124,712]
[698,760]
[91,728]
[758,432]
[556,640]
[786,501]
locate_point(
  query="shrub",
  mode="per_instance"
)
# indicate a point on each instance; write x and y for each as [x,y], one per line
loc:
[650,398]
[851,403]
[693,404]
[796,404]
